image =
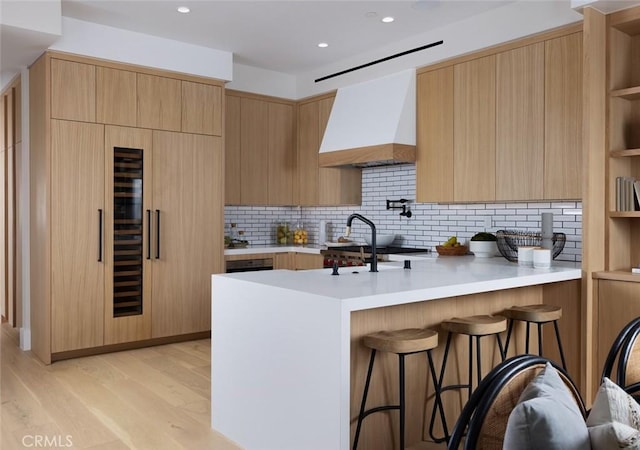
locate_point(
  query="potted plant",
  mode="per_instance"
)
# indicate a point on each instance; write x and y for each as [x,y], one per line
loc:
[484,245]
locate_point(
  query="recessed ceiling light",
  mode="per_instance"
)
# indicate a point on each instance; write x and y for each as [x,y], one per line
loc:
[323,45]
[183,9]
[388,19]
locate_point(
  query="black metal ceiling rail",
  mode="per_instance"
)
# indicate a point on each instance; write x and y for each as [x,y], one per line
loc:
[377,61]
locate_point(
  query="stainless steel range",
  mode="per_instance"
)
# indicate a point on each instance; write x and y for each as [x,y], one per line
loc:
[357,255]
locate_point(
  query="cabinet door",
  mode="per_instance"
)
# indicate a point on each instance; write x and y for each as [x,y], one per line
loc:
[475,130]
[187,193]
[254,154]
[563,118]
[73,91]
[434,163]
[306,261]
[281,154]
[201,108]
[116,96]
[232,133]
[520,123]
[284,261]
[159,102]
[308,147]
[77,267]
[127,305]
[337,186]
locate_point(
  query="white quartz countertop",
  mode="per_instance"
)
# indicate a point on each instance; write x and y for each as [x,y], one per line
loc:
[430,277]
[259,249]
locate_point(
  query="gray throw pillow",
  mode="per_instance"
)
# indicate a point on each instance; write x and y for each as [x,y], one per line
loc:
[546,417]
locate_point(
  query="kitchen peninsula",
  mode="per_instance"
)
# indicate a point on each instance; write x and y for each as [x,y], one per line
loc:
[288,367]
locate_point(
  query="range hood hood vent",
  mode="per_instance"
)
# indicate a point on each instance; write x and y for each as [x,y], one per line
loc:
[372,123]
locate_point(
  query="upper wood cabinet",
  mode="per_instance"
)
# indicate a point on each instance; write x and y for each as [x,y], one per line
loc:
[434,163]
[474,106]
[116,96]
[308,147]
[520,123]
[73,94]
[503,123]
[254,156]
[260,153]
[316,185]
[159,102]
[281,153]
[201,108]
[563,117]
[232,139]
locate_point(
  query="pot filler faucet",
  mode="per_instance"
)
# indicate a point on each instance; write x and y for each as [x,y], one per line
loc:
[374,256]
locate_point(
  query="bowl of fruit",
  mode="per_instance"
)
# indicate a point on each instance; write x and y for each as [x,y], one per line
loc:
[451,247]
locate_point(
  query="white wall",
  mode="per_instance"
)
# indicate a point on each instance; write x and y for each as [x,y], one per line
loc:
[262,81]
[515,20]
[42,16]
[100,41]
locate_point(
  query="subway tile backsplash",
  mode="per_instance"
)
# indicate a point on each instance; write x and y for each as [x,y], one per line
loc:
[430,224]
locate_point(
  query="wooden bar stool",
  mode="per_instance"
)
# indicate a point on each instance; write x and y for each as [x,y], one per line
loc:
[474,327]
[401,342]
[538,314]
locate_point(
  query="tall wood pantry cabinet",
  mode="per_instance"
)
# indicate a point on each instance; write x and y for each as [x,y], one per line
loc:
[126,209]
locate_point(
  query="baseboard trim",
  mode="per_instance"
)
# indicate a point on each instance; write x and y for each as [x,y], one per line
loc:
[129,345]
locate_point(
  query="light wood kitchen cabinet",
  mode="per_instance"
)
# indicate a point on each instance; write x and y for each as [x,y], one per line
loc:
[281,154]
[159,102]
[434,163]
[283,261]
[116,96]
[315,185]
[187,170]
[254,155]
[297,261]
[474,157]
[201,108]
[308,147]
[127,221]
[77,269]
[73,94]
[563,117]
[232,139]
[260,154]
[306,261]
[519,123]
[503,123]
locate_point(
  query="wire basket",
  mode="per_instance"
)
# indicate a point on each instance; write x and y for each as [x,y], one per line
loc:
[509,240]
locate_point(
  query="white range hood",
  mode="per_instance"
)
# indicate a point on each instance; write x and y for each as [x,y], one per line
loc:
[372,123]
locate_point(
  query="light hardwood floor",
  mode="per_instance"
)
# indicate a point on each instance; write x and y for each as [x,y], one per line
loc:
[153,398]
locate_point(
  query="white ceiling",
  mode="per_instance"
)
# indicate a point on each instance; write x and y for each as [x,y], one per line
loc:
[281,35]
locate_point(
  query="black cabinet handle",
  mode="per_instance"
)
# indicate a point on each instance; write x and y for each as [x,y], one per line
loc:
[148,234]
[157,234]
[100,235]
